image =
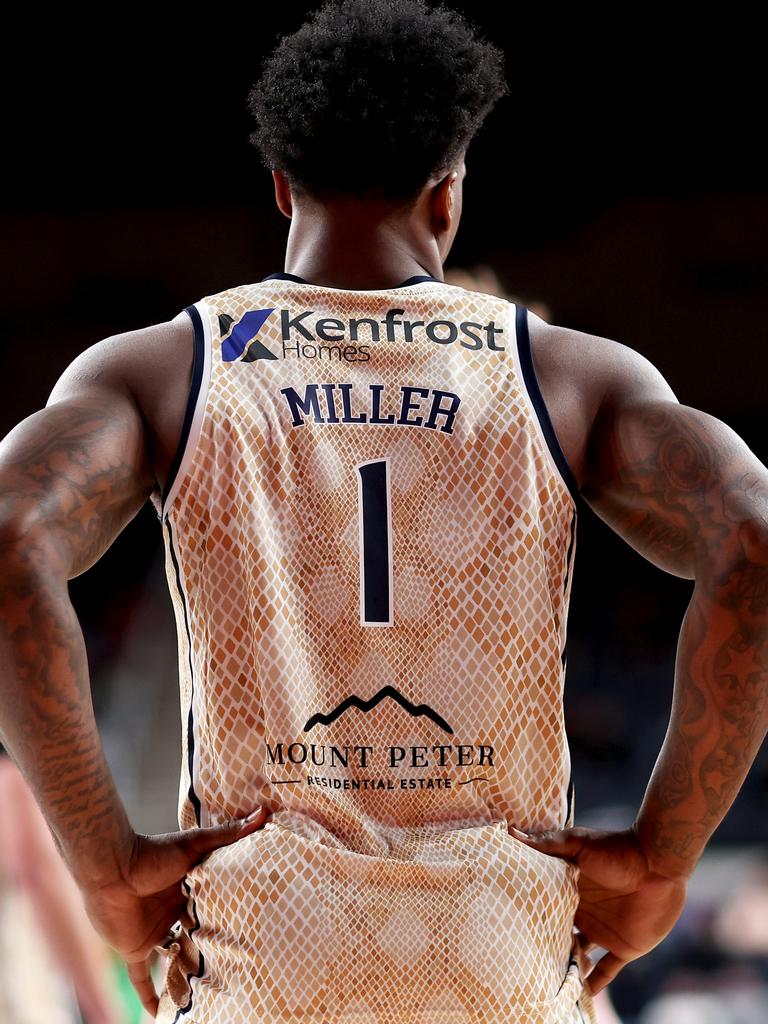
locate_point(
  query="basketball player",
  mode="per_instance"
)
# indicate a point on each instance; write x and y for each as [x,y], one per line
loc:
[368,483]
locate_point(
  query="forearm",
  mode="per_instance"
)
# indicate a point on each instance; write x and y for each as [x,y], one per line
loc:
[719,717]
[46,714]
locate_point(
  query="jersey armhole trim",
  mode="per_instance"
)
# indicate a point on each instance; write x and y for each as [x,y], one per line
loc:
[530,380]
[196,401]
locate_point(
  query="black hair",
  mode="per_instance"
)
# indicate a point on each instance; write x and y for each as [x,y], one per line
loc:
[370,98]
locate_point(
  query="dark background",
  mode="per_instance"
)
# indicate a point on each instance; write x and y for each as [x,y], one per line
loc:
[623,184]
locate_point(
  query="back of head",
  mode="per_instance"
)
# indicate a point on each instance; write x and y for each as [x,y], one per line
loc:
[371,98]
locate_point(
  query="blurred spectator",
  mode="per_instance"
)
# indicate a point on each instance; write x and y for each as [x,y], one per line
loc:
[482,278]
[34,877]
[737,1006]
[606,1014]
[741,925]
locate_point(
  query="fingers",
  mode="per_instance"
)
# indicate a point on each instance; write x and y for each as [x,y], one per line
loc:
[140,974]
[583,949]
[183,850]
[604,971]
[584,944]
[568,843]
[202,841]
[171,938]
[162,861]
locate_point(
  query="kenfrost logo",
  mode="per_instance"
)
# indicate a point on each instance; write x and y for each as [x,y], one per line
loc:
[304,335]
[371,767]
[243,332]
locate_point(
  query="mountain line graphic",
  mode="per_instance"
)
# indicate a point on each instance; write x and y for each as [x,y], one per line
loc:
[353,701]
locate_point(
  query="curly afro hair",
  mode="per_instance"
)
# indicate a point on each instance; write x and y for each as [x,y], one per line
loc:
[370,98]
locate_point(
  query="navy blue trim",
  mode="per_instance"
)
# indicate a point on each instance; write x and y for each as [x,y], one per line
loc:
[532,384]
[568,569]
[194,391]
[417,279]
[570,551]
[283,275]
[569,802]
[191,794]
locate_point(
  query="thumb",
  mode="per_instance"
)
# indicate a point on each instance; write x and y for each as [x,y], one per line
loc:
[568,843]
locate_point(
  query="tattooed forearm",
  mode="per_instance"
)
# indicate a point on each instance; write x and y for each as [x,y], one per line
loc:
[686,491]
[718,722]
[71,477]
[47,719]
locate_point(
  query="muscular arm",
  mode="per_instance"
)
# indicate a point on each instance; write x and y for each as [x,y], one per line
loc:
[72,475]
[685,491]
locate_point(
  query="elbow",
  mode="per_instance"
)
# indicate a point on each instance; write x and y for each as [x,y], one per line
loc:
[14,544]
[19,516]
[737,566]
[26,546]
[753,542]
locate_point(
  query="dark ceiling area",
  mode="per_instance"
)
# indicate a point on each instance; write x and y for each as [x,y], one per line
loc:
[622,185]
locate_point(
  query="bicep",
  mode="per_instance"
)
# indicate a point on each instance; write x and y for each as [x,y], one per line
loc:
[679,485]
[72,475]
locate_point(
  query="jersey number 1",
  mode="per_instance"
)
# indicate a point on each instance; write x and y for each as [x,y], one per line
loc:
[375,518]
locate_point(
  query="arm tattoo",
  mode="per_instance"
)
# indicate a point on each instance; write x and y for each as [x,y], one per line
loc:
[72,466]
[71,477]
[687,492]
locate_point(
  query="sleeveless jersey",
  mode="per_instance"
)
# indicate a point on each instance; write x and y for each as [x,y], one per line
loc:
[369,530]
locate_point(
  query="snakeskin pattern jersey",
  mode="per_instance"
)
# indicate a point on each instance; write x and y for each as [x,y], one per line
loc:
[369,531]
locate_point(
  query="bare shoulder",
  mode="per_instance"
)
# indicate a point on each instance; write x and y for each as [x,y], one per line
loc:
[150,367]
[675,482]
[74,473]
[135,361]
[581,374]
[602,367]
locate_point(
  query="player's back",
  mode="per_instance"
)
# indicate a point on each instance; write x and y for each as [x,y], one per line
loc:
[369,532]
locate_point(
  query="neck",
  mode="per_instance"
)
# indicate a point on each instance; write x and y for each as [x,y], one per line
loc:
[361,253]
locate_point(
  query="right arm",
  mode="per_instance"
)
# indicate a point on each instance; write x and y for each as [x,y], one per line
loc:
[684,490]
